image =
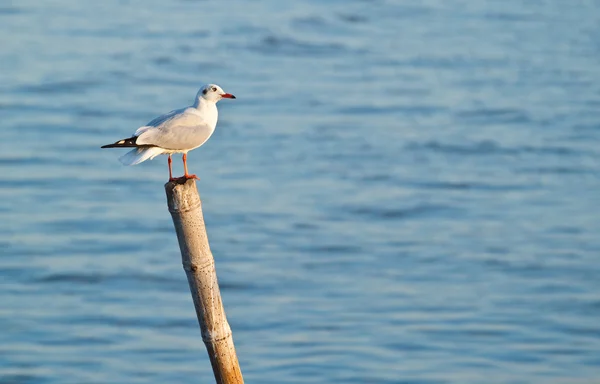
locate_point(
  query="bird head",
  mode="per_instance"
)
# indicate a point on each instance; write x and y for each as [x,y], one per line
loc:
[214,93]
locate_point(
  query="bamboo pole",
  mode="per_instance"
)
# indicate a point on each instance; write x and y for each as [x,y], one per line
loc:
[186,210]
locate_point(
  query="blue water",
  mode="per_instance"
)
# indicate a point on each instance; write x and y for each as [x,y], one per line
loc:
[403,192]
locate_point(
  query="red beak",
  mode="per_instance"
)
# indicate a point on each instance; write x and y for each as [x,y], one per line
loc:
[227,96]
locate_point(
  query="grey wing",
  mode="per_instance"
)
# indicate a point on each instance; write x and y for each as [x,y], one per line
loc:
[160,120]
[164,118]
[181,132]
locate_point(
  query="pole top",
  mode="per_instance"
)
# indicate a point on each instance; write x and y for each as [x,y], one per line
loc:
[182,195]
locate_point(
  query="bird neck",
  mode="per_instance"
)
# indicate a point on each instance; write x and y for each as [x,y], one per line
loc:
[201,103]
[208,109]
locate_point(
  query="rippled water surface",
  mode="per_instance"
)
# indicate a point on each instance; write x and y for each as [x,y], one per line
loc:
[403,192]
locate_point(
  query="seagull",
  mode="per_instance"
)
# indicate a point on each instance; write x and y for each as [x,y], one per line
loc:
[178,131]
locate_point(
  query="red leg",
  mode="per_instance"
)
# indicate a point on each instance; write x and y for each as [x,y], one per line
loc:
[185,170]
[170,161]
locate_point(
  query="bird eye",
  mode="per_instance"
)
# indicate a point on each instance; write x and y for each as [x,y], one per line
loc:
[204,92]
[214,89]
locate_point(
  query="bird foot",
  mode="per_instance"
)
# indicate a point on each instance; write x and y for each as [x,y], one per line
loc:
[183,179]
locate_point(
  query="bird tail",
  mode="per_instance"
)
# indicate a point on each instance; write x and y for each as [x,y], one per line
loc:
[139,155]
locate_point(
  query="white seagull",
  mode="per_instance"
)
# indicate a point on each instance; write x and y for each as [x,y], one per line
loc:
[178,131]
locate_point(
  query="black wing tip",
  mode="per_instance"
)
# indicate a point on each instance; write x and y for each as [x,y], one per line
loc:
[129,142]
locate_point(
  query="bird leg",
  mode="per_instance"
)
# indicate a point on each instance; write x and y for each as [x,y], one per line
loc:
[170,161]
[185,170]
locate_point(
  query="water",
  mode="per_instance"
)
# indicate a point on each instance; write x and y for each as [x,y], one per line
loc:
[403,192]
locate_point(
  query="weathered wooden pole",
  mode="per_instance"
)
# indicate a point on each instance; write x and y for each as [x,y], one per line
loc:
[186,209]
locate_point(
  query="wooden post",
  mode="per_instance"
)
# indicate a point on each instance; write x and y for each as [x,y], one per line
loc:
[186,209]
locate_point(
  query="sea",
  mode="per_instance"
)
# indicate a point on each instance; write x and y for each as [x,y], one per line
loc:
[403,192]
